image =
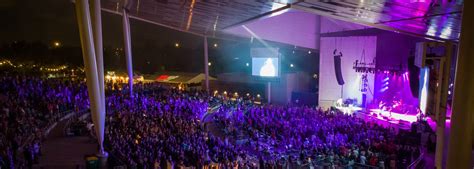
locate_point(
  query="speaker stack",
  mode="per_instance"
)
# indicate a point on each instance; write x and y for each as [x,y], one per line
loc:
[337,67]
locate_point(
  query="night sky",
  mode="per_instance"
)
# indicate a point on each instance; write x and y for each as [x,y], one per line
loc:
[153,48]
[51,20]
[54,20]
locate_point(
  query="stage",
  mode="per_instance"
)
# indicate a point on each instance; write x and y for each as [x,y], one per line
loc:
[388,117]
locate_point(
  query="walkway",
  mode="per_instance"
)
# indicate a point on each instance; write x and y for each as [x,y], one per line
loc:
[64,152]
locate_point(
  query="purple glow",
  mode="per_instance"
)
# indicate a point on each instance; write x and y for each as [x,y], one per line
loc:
[393,94]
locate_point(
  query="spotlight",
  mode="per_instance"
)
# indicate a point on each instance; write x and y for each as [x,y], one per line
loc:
[176,44]
[209,64]
[247,64]
[291,65]
[215,45]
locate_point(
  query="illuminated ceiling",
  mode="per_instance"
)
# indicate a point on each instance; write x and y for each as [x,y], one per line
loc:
[441,20]
[421,18]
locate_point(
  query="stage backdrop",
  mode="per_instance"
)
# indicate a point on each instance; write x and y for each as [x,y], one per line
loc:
[351,48]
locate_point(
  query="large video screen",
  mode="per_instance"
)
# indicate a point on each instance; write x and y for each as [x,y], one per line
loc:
[265,62]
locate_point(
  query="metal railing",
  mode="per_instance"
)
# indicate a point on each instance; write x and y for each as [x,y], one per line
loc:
[415,163]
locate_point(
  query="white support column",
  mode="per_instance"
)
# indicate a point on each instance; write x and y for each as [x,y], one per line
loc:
[90,65]
[128,48]
[206,64]
[96,19]
[460,137]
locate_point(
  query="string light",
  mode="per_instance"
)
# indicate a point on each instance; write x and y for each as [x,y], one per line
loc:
[57,44]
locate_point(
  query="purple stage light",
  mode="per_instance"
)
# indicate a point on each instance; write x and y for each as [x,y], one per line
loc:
[394,96]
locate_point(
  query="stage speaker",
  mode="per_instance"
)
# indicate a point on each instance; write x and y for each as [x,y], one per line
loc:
[414,77]
[337,67]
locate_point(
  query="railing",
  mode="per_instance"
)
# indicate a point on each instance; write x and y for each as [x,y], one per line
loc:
[47,130]
[81,115]
[415,163]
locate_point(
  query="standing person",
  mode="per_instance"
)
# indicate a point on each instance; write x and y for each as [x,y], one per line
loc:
[28,156]
[261,163]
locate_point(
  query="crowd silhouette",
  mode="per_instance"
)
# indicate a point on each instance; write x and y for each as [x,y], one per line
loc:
[163,127]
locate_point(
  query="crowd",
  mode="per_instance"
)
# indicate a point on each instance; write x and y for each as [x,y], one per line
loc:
[295,135]
[28,106]
[161,127]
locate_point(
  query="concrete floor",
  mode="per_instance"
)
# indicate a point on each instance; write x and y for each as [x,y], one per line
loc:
[64,152]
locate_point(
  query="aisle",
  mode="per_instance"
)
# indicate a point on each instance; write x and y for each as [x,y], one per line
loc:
[63,152]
